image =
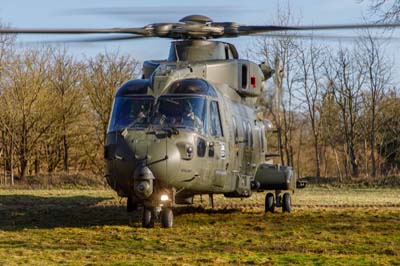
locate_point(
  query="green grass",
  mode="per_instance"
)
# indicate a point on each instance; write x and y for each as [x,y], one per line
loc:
[79,227]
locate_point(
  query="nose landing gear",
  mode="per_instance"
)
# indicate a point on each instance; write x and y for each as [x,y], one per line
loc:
[152,214]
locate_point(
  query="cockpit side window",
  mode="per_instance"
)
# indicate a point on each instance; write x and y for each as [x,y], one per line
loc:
[215,120]
[130,112]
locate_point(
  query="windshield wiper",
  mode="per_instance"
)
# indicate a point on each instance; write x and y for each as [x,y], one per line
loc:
[168,130]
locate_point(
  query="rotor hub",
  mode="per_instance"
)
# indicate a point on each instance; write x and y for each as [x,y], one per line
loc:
[196,19]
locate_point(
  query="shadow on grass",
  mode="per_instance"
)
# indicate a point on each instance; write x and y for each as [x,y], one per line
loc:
[26,211]
[200,209]
[18,212]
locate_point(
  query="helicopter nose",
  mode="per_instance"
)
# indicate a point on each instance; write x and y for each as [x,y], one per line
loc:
[164,160]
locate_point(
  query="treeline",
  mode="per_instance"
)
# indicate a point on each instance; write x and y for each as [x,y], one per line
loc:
[338,106]
[54,109]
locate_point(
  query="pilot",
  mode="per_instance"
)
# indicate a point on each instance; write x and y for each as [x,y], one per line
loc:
[141,115]
[189,118]
[142,112]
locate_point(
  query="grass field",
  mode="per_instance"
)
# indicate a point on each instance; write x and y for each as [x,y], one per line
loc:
[91,227]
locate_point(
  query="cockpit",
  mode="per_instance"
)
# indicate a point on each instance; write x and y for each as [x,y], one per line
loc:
[188,112]
[183,107]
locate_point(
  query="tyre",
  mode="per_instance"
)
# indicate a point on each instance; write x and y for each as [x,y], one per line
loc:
[269,202]
[167,218]
[147,218]
[286,202]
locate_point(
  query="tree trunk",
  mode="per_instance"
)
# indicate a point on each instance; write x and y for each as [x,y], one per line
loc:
[12,158]
[338,165]
[3,153]
[346,161]
[37,166]
[353,161]
[24,167]
[65,144]
[373,159]
[317,163]
[317,156]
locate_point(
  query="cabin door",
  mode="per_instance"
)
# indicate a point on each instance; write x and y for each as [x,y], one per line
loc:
[217,149]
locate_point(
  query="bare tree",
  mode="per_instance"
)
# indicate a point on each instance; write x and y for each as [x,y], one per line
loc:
[378,77]
[311,59]
[347,79]
[281,53]
[6,51]
[389,132]
[332,127]
[26,104]
[103,75]
[386,10]
[65,78]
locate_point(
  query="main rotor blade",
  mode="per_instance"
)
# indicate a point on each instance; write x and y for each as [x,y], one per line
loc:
[109,39]
[246,30]
[140,31]
[324,37]
[94,39]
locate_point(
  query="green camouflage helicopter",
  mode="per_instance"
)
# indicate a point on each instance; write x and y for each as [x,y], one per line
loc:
[191,125]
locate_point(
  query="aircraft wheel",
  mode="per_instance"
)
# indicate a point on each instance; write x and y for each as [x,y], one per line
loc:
[286,203]
[167,218]
[147,218]
[269,203]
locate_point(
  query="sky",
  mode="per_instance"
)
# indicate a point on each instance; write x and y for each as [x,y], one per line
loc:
[81,14]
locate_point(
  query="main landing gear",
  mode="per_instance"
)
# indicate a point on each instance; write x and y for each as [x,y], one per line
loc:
[284,201]
[152,214]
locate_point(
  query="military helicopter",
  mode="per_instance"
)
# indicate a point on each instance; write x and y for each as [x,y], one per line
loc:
[191,125]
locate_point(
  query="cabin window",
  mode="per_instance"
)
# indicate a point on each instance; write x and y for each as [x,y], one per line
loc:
[130,112]
[244,76]
[215,120]
[235,130]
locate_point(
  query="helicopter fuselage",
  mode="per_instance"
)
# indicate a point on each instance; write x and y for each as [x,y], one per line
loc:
[191,127]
